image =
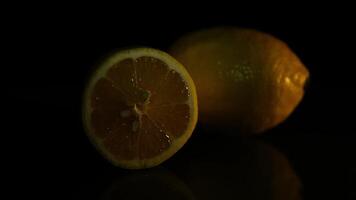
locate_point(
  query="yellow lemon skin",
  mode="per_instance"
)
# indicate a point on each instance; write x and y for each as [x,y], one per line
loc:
[244,78]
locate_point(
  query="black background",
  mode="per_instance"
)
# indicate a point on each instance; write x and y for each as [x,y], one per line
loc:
[50,54]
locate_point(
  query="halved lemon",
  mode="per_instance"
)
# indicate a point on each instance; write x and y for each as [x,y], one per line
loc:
[139,108]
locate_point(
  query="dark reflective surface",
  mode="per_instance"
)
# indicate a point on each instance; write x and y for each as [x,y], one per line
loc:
[310,156]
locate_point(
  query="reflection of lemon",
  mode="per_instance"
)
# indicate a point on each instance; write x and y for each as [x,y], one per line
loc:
[243,77]
[242,169]
[151,184]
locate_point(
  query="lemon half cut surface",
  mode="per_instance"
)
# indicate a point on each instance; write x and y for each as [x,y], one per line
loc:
[140,107]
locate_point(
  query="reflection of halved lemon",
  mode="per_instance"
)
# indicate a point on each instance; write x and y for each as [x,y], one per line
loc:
[243,77]
[152,184]
[140,107]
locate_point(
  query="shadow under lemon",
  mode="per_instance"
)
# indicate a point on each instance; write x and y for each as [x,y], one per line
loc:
[233,168]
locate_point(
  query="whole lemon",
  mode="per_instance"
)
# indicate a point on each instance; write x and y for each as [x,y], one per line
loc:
[244,78]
